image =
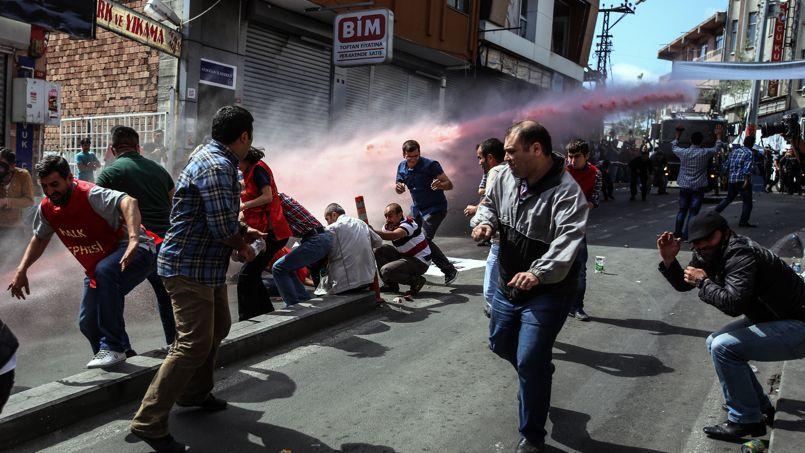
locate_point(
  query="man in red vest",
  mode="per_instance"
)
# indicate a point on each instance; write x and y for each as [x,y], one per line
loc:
[115,252]
[589,179]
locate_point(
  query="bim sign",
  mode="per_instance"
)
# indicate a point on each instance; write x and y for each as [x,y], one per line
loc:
[363,37]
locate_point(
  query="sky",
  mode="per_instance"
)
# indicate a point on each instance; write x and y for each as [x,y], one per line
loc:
[637,38]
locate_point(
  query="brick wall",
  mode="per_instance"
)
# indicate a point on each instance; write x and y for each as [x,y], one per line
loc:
[108,75]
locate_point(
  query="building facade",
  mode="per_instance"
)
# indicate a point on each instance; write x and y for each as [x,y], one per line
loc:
[704,42]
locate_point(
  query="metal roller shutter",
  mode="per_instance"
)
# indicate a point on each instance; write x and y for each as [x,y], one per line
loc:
[389,90]
[2,99]
[423,95]
[286,84]
[356,107]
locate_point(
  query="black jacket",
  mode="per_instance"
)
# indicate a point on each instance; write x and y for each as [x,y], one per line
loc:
[746,279]
[8,344]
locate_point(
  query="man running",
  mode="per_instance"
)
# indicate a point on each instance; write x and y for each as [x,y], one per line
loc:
[426,181]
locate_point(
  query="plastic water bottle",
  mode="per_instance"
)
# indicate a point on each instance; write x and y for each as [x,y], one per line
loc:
[753,446]
[600,262]
[258,246]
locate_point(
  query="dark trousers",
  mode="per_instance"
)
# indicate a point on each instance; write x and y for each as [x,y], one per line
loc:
[733,189]
[164,305]
[253,297]
[524,334]
[644,187]
[6,384]
[396,269]
[430,223]
[608,188]
[581,258]
[690,203]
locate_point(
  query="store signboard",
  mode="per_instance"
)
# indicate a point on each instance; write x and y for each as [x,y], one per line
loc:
[363,37]
[133,25]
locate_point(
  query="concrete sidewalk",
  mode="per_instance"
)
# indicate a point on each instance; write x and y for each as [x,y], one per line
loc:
[788,434]
[55,405]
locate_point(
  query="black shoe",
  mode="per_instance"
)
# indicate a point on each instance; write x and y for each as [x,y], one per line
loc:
[768,414]
[417,286]
[450,276]
[390,288]
[210,404]
[581,315]
[165,444]
[747,225]
[735,431]
[526,446]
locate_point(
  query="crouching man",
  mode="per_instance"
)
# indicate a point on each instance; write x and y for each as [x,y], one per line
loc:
[739,277]
[408,258]
[351,261]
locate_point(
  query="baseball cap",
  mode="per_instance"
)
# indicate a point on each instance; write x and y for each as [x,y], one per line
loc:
[701,227]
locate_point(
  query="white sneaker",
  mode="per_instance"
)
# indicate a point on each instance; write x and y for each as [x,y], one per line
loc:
[106,358]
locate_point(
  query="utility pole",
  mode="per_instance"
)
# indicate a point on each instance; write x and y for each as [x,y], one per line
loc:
[604,46]
[754,94]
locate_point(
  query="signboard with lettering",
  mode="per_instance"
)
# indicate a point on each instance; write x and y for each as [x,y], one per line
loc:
[363,37]
[25,146]
[133,25]
[778,47]
[217,74]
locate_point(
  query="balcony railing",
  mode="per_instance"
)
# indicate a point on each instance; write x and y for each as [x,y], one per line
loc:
[713,55]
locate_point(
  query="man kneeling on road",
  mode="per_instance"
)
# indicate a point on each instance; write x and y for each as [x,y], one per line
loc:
[351,261]
[739,277]
[408,258]
[116,256]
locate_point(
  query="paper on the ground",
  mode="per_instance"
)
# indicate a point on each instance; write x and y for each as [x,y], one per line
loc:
[462,264]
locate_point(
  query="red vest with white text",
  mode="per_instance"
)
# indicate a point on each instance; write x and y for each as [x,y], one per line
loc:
[268,216]
[82,230]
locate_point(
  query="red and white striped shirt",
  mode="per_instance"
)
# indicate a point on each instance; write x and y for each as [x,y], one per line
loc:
[414,243]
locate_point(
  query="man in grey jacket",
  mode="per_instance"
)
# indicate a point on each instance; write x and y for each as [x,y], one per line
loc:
[541,215]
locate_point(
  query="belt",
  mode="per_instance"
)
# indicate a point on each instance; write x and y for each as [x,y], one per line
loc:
[312,232]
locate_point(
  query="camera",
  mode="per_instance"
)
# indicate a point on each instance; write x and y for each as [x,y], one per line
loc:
[788,127]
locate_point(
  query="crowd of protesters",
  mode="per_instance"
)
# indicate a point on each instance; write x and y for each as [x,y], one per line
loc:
[136,224]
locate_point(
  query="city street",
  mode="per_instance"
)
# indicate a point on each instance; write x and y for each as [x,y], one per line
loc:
[420,377]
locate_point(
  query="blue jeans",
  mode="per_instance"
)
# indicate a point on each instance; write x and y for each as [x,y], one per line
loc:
[492,273]
[100,317]
[733,189]
[309,251]
[739,342]
[164,305]
[690,203]
[581,258]
[524,334]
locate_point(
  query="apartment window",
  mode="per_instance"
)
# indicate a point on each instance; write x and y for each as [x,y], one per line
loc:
[751,30]
[703,51]
[719,42]
[523,18]
[733,36]
[460,5]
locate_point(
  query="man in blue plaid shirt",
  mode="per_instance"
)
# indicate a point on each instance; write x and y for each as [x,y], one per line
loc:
[692,178]
[193,262]
[739,168]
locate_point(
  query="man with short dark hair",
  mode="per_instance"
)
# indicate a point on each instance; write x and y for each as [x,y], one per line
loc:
[589,179]
[692,178]
[426,181]
[152,187]
[406,260]
[351,260]
[541,214]
[739,180]
[155,150]
[739,277]
[116,256]
[16,193]
[86,161]
[491,156]
[193,263]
